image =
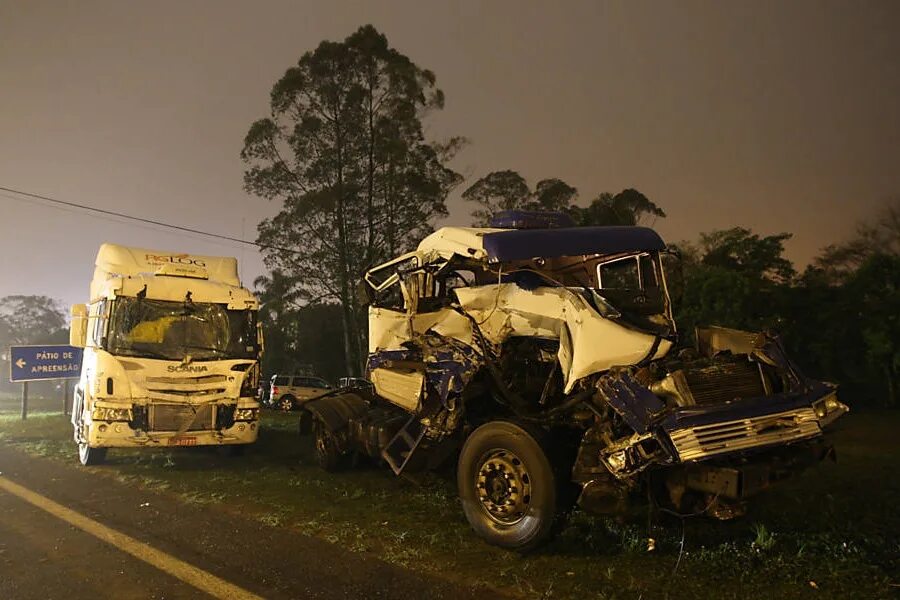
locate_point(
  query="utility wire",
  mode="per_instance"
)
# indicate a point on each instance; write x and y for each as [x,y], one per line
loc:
[116,220]
[150,221]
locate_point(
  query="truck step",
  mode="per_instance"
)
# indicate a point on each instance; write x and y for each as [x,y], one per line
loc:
[402,446]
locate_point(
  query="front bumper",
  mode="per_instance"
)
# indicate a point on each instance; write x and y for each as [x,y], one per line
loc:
[704,434]
[120,435]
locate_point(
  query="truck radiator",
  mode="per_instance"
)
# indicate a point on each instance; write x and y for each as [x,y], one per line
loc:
[702,441]
[173,417]
[726,382]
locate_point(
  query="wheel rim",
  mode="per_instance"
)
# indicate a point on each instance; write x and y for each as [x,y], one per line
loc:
[503,485]
[286,404]
[323,442]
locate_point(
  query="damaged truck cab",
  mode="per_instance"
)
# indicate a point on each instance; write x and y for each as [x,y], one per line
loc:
[546,358]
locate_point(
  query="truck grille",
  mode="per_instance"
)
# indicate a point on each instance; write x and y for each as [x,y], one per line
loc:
[176,389]
[723,383]
[703,441]
[174,417]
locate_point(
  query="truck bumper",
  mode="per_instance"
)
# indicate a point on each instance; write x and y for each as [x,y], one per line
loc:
[120,435]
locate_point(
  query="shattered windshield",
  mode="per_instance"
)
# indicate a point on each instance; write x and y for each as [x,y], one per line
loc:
[172,330]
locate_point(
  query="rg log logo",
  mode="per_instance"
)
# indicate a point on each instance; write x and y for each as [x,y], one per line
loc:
[175,259]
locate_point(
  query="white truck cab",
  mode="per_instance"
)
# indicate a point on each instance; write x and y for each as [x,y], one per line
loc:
[171,353]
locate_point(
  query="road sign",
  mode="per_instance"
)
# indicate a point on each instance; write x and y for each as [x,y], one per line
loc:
[34,363]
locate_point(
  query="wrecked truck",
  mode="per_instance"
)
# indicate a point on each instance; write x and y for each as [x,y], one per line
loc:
[545,359]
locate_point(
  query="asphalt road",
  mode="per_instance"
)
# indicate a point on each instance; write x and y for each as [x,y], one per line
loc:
[43,556]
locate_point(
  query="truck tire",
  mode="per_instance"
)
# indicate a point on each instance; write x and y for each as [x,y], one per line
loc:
[508,488]
[91,456]
[327,449]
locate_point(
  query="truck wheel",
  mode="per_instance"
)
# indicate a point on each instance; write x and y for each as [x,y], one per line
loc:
[90,456]
[286,403]
[328,452]
[507,486]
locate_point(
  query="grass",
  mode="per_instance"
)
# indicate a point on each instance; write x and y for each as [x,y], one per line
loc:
[833,532]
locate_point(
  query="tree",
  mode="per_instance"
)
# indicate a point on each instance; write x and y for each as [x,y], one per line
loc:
[628,207]
[837,262]
[298,336]
[741,250]
[29,320]
[876,290]
[734,278]
[508,190]
[496,191]
[344,151]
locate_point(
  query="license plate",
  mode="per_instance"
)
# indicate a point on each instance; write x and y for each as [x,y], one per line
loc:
[183,441]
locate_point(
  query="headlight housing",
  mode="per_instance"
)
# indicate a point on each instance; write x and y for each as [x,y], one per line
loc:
[829,408]
[246,414]
[105,413]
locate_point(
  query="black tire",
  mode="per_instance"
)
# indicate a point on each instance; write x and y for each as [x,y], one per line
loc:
[287,403]
[507,485]
[91,456]
[327,448]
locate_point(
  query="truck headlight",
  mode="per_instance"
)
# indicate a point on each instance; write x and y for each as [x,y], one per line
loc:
[103,413]
[246,414]
[829,408]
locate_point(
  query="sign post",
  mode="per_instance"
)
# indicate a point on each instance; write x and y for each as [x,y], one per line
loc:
[38,363]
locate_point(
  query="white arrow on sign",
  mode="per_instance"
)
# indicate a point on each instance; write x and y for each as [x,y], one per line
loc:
[21,363]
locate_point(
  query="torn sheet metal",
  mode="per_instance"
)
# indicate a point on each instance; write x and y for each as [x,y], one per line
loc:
[589,343]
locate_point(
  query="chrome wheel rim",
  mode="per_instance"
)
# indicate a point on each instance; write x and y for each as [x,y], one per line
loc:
[503,485]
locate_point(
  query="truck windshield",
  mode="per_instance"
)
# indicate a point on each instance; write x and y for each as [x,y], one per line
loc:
[172,330]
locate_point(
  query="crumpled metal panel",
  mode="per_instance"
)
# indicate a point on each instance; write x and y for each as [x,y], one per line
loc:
[634,402]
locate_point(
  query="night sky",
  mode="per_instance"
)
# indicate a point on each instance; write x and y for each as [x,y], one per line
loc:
[769,115]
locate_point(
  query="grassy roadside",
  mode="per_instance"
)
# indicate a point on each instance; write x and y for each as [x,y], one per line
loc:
[831,533]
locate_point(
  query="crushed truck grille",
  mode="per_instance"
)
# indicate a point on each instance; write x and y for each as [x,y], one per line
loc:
[703,441]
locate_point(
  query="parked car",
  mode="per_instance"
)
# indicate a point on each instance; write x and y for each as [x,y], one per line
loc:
[290,392]
[355,383]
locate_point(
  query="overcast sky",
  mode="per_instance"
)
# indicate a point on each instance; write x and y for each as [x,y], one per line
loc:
[769,115]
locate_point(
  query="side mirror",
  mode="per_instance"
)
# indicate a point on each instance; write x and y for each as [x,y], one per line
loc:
[364,293]
[259,338]
[78,328]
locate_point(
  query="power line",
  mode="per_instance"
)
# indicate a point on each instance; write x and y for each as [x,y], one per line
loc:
[115,220]
[150,221]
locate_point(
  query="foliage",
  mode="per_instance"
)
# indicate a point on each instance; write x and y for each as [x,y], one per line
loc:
[30,320]
[508,190]
[837,262]
[628,207]
[345,153]
[733,278]
[299,336]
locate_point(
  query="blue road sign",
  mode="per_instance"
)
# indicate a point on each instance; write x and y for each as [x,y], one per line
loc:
[33,363]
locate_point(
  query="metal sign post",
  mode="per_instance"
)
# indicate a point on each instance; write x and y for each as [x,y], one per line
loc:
[24,400]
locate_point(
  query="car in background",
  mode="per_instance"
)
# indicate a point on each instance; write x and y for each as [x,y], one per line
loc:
[290,392]
[355,383]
